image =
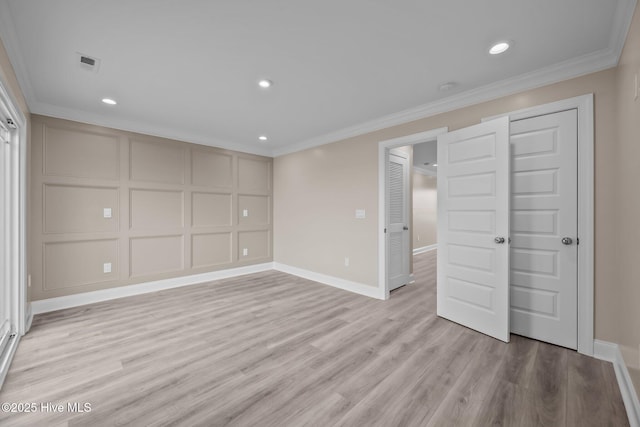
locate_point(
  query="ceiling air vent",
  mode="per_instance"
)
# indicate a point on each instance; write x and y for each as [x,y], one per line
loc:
[87,62]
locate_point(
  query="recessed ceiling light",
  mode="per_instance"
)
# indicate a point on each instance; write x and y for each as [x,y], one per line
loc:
[262,138]
[499,48]
[109,101]
[264,83]
[447,86]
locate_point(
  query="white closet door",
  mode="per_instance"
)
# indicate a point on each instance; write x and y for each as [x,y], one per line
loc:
[398,219]
[473,227]
[544,228]
[5,324]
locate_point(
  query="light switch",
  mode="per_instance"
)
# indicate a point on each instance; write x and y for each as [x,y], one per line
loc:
[245,252]
[360,214]
[245,212]
[106,212]
[106,267]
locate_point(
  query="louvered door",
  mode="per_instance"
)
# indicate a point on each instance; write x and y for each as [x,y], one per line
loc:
[398,219]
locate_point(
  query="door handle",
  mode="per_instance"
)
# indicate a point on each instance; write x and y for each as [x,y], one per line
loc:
[405,228]
[567,240]
[499,240]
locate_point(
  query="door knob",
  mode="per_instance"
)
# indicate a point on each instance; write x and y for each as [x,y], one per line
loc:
[405,228]
[567,240]
[499,240]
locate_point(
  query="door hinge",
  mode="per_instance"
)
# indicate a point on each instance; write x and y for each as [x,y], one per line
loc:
[385,231]
[577,241]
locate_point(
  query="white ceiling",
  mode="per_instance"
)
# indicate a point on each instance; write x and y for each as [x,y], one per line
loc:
[425,155]
[188,69]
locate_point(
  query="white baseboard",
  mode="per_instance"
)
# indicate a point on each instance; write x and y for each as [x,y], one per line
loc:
[58,303]
[7,357]
[29,320]
[336,282]
[424,249]
[611,352]
[631,356]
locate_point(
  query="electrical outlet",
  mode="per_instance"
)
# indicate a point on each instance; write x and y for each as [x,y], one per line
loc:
[245,212]
[106,212]
[106,267]
[245,252]
[346,262]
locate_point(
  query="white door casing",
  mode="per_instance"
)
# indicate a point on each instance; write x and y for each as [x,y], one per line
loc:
[5,295]
[544,211]
[383,159]
[397,235]
[473,215]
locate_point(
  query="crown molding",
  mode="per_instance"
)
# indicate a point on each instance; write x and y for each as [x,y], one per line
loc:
[143,128]
[621,24]
[9,40]
[565,70]
[575,67]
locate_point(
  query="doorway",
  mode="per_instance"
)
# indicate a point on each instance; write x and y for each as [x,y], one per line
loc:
[387,272]
[529,302]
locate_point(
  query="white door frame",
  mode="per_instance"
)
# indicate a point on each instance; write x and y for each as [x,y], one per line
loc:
[383,158]
[584,105]
[20,312]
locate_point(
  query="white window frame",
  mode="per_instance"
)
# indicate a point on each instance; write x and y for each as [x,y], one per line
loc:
[16,241]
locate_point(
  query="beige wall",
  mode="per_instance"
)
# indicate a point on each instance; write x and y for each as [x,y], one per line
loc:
[625,285]
[177,208]
[425,210]
[316,191]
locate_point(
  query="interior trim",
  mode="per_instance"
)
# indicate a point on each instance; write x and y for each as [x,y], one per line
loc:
[586,207]
[596,61]
[383,157]
[610,352]
[59,303]
[575,67]
[424,249]
[7,357]
[336,282]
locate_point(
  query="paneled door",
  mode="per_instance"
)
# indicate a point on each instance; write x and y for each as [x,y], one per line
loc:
[473,227]
[5,313]
[544,282]
[397,228]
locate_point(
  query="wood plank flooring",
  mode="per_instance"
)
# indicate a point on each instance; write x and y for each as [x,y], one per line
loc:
[271,349]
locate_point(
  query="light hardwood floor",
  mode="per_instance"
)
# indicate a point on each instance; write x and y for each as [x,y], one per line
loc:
[274,350]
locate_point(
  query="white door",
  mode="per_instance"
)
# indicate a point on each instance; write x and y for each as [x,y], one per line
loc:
[544,251]
[397,219]
[473,227]
[5,324]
